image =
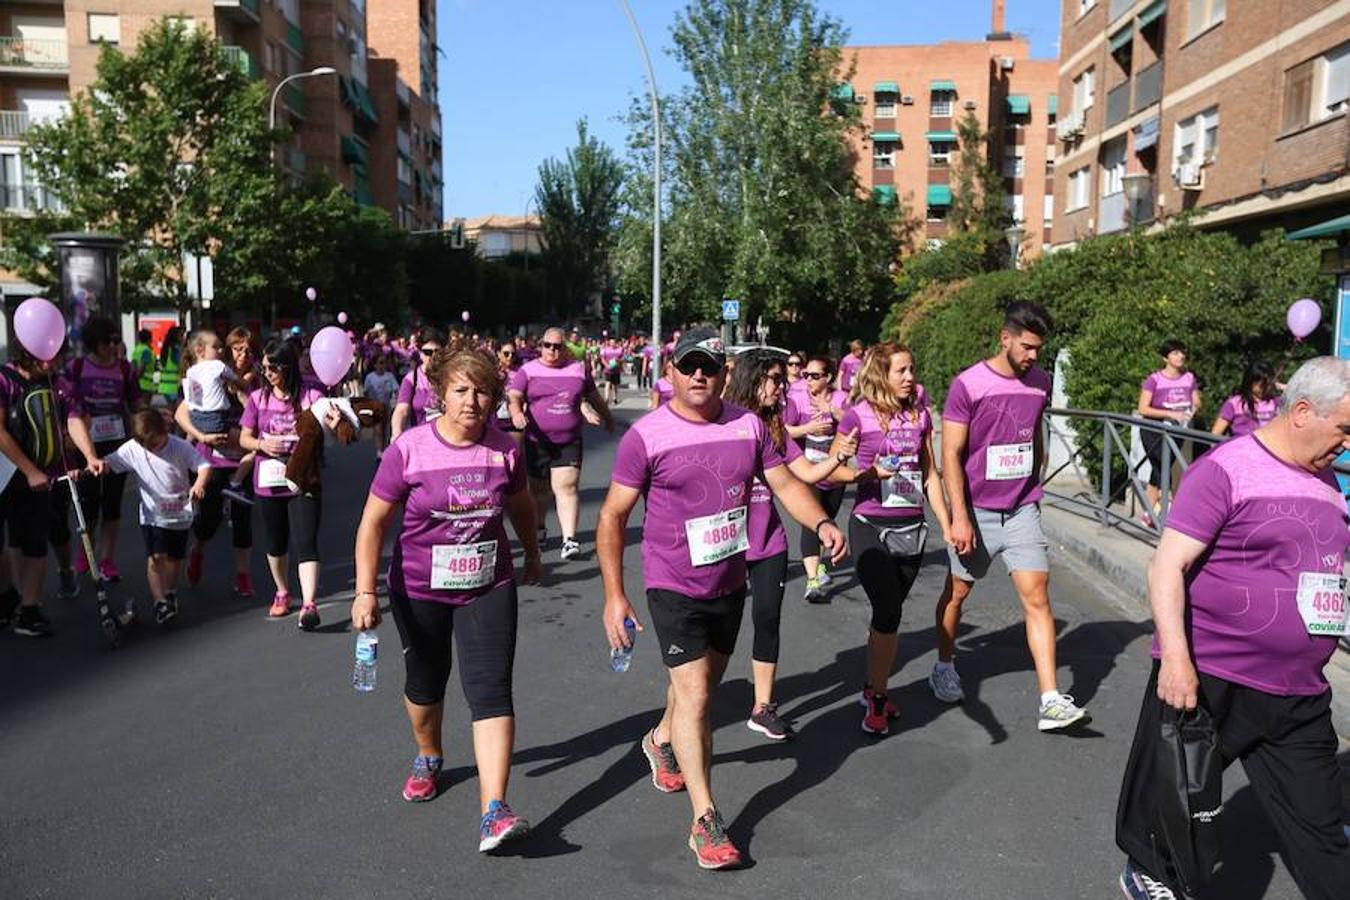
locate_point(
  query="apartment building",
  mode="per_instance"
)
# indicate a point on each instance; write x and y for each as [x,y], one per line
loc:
[340,123]
[496,236]
[1235,112]
[912,99]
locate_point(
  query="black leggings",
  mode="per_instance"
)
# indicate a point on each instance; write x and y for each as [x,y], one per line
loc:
[101,498]
[288,520]
[885,578]
[484,633]
[767,577]
[211,511]
[830,501]
[29,515]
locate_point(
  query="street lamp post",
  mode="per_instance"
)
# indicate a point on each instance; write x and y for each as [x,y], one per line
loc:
[656,191]
[1014,233]
[272,107]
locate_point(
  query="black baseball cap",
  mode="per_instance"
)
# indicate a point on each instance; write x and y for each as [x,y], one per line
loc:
[701,340]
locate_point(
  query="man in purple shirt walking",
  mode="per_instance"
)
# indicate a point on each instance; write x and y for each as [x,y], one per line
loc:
[1248,595]
[694,461]
[992,451]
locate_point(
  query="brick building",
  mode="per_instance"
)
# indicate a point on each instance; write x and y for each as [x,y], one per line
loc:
[352,125]
[1234,111]
[912,99]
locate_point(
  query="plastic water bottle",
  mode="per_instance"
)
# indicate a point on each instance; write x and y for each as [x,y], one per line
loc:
[620,658]
[367,658]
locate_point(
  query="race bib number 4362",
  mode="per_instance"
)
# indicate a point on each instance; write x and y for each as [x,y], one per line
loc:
[1321,603]
[716,537]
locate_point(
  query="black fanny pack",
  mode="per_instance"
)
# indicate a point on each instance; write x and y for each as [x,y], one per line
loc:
[900,540]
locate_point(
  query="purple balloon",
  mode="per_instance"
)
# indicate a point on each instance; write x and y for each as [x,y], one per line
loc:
[311,294]
[40,327]
[342,318]
[1303,317]
[464,315]
[330,353]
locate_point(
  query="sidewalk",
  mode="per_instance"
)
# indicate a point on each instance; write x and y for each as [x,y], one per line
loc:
[1120,563]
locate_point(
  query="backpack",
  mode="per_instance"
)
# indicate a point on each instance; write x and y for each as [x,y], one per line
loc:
[124,367]
[31,421]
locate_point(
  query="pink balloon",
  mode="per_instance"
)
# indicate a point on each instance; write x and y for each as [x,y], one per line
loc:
[464,315]
[1303,317]
[342,318]
[311,294]
[330,353]
[40,327]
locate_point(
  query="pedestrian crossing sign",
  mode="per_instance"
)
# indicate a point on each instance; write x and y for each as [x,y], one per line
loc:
[731,310]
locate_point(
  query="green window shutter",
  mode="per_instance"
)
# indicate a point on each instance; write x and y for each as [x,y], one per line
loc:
[949,136]
[295,38]
[942,84]
[1019,104]
[1152,13]
[885,137]
[884,194]
[843,93]
[1121,38]
[939,195]
[886,87]
[1052,104]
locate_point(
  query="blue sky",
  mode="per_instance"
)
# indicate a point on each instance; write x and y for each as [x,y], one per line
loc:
[517,74]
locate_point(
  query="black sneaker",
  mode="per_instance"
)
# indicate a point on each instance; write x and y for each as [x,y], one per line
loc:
[33,622]
[764,719]
[68,587]
[166,609]
[9,602]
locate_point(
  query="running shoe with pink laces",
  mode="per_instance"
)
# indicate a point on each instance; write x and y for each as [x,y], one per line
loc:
[500,825]
[875,720]
[281,605]
[108,569]
[81,564]
[892,711]
[309,617]
[666,775]
[421,785]
[243,585]
[711,844]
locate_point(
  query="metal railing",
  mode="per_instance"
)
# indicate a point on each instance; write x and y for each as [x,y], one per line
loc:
[1118,103]
[1111,213]
[34,53]
[13,124]
[1148,86]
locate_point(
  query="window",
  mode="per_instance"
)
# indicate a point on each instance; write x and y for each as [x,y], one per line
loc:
[1082,91]
[105,28]
[1197,138]
[1015,204]
[1085,5]
[1049,211]
[940,152]
[1113,167]
[1080,188]
[942,103]
[1204,15]
[404,170]
[937,213]
[883,155]
[885,106]
[1049,159]
[1317,88]
[1014,166]
[269,56]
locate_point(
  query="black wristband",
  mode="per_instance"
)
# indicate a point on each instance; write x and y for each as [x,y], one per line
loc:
[820,523]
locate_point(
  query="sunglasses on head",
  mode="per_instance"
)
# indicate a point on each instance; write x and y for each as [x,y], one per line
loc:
[551,345]
[813,376]
[694,362]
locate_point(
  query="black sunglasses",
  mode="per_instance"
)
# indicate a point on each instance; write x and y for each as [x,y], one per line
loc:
[269,366]
[694,362]
[794,362]
[551,345]
[814,376]
[429,351]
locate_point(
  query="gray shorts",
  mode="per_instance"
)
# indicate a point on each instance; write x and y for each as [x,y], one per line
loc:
[1017,536]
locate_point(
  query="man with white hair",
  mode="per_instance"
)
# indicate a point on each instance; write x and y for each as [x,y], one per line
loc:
[1248,599]
[545,397]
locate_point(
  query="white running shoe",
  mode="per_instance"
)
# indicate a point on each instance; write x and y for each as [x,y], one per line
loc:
[570,548]
[1060,712]
[946,685]
[1138,885]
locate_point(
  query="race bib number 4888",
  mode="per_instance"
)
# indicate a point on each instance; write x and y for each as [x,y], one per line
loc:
[716,537]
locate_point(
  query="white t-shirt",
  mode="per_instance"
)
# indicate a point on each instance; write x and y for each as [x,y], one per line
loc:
[164,479]
[381,386]
[204,386]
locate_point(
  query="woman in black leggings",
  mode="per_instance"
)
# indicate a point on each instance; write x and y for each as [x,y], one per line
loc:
[757,383]
[894,470]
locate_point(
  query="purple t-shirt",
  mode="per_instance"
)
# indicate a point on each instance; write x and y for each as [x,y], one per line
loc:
[1170,393]
[107,393]
[453,502]
[697,477]
[1002,415]
[664,389]
[1267,525]
[904,436]
[268,416]
[417,391]
[1240,421]
[610,356]
[800,410]
[848,370]
[554,395]
[767,537]
[66,405]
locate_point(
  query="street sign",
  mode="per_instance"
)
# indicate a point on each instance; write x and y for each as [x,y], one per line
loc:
[457,235]
[731,310]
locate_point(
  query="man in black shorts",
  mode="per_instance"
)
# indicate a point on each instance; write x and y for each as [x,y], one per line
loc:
[693,461]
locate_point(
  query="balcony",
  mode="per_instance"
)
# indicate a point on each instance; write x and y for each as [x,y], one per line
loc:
[1111,213]
[242,11]
[27,198]
[242,60]
[1117,9]
[13,125]
[33,55]
[1117,104]
[404,143]
[1148,86]
[402,92]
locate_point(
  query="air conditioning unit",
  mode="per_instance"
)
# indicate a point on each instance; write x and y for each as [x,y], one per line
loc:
[1005,63]
[969,104]
[1189,176]
[907,100]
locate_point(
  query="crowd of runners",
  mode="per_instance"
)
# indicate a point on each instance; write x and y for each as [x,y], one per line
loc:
[473,432]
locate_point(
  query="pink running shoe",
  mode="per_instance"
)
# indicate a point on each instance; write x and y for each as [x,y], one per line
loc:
[892,711]
[243,584]
[421,785]
[281,605]
[711,843]
[108,569]
[500,825]
[309,617]
[81,564]
[666,775]
[875,720]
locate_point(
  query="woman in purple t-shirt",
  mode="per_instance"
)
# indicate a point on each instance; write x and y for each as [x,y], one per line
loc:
[811,416]
[1254,404]
[757,384]
[416,398]
[267,428]
[1171,396]
[451,575]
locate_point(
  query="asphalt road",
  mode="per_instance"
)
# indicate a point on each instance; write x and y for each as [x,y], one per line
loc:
[228,756]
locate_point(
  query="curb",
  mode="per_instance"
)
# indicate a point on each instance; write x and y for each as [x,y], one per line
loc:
[1127,581]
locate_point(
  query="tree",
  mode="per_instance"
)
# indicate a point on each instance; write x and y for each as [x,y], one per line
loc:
[763,203]
[578,200]
[170,150]
[977,192]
